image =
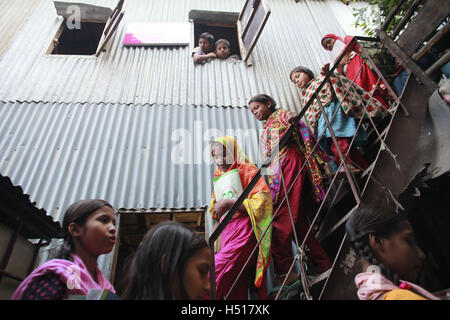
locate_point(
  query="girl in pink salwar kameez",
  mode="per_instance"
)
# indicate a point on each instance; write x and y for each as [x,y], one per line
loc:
[245,228]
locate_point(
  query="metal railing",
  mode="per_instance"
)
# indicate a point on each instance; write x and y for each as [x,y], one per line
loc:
[357,187]
[350,178]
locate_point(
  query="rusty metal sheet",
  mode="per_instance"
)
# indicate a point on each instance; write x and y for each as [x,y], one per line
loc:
[433,146]
[401,140]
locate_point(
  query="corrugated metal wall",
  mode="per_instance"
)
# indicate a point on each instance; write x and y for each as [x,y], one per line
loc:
[135,157]
[13,16]
[167,76]
[48,101]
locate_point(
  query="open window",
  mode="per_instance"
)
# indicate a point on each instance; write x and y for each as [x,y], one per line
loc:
[220,24]
[85,29]
[242,29]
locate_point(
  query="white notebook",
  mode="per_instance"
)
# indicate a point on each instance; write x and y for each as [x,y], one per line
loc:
[228,185]
[338,48]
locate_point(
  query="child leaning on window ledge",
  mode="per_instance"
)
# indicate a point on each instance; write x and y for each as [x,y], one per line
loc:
[205,50]
[223,50]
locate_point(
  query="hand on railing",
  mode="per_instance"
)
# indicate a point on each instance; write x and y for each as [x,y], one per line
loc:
[325,70]
[223,205]
[227,209]
[291,117]
[345,59]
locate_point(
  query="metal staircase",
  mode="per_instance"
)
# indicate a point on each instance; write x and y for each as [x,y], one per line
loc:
[392,142]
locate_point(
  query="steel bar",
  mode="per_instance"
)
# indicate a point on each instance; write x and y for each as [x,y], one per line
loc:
[289,209]
[285,278]
[388,127]
[343,160]
[384,81]
[333,137]
[303,276]
[391,15]
[407,62]
[405,18]
[357,199]
[369,178]
[351,143]
[442,60]
[332,267]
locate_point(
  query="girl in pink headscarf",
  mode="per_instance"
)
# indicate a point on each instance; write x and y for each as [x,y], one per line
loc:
[354,66]
[89,231]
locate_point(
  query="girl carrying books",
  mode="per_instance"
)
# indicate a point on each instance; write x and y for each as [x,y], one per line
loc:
[245,228]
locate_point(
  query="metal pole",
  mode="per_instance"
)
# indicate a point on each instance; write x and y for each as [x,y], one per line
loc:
[391,15]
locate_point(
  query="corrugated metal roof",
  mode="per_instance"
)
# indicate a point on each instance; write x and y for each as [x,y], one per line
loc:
[167,76]
[15,203]
[127,155]
[13,18]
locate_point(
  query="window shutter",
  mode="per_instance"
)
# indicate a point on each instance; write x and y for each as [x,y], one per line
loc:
[111,26]
[250,24]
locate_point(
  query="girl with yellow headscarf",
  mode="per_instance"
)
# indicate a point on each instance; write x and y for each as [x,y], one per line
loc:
[245,228]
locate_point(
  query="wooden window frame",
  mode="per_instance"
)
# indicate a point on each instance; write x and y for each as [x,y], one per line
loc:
[249,10]
[111,25]
[244,26]
[215,19]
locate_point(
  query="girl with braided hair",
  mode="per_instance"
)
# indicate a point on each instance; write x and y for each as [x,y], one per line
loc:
[385,241]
